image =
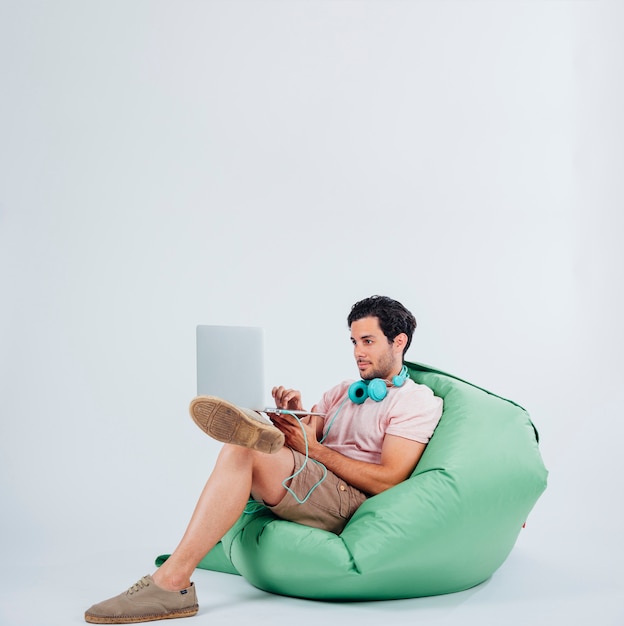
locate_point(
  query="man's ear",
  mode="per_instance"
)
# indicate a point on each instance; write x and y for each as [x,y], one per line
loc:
[400,341]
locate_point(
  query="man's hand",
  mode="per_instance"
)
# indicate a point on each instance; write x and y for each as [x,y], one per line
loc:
[288,399]
[293,432]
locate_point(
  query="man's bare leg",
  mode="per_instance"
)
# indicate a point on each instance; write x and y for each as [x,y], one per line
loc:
[238,473]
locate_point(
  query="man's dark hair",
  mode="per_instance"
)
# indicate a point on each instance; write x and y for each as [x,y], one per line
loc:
[393,317]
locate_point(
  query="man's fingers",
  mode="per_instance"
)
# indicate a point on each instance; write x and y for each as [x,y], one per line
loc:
[284,396]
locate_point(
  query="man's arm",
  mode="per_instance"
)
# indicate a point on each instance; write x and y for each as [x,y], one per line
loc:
[399,457]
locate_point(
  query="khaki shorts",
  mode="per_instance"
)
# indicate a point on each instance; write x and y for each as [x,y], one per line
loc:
[330,505]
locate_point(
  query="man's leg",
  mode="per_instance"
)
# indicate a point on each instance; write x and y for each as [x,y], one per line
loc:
[238,473]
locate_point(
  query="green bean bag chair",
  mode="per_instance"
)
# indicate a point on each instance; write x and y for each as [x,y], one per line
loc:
[445,529]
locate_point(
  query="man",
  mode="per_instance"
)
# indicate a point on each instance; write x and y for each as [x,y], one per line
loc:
[362,438]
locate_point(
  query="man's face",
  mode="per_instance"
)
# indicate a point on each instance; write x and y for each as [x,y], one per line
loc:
[375,357]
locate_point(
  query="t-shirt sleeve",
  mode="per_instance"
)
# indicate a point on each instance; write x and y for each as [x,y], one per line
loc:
[415,414]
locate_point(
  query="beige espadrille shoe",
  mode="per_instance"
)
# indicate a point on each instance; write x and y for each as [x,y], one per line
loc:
[228,423]
[145,601]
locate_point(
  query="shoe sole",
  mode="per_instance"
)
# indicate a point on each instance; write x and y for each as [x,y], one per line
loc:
[227,423]
[137,619]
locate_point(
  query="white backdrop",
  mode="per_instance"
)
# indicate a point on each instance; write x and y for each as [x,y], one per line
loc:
[268,163]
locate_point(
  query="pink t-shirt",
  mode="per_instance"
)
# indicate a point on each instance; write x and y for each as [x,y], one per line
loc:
[358,430]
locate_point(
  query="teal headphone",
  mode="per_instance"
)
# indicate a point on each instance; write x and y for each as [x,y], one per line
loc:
[375,389]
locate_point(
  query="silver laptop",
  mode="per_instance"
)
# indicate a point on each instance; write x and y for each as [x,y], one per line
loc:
[230,364]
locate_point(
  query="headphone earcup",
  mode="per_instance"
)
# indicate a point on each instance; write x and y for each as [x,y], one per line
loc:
[358,392]
[398,380]
[377,389]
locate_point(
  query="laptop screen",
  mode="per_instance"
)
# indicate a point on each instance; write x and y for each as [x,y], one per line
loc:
[230,364]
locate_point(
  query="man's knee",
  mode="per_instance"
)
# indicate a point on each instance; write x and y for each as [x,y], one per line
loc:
[236,457]
[269,473]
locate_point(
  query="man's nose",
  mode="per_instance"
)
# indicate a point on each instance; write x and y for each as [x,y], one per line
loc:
[358,350]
